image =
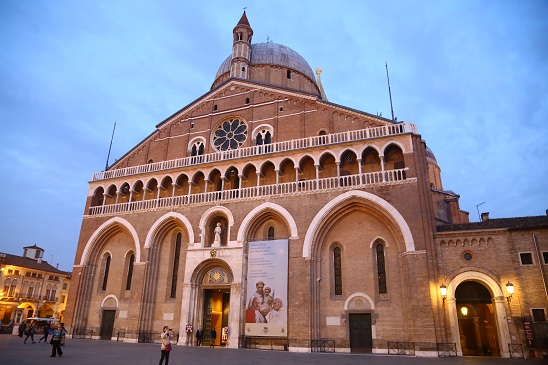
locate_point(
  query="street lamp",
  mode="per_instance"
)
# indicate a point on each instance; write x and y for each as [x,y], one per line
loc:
[510,290]
[443,291]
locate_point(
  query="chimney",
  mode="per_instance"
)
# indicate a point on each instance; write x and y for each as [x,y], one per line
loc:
[485,217]
[57,266]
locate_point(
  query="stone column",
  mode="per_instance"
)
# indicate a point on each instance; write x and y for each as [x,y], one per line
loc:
[382,168]
[502,326]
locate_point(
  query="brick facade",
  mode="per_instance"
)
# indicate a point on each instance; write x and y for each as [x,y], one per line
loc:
[318,175]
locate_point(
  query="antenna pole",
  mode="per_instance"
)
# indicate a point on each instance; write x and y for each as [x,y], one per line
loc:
[111,138]
[477,207]
[389,92]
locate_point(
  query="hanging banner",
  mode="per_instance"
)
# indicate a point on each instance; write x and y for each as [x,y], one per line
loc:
[266,300]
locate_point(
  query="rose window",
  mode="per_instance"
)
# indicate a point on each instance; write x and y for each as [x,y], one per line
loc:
[230,135]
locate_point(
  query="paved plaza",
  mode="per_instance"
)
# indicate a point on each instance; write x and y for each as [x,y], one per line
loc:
[87,352]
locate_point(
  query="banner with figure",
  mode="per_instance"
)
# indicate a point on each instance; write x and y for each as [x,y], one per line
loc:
[266,300]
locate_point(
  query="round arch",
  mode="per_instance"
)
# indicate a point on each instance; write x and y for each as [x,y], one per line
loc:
[207,215]
[110,296]
[262,208]
[498,304]
[359,295]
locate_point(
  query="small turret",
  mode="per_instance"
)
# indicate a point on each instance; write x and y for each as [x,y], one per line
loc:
[319,82]
[241,49]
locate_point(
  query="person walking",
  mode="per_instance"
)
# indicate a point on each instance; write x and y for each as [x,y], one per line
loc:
[46,333]
[166,345]
[65,332]
[22,328]
[212,337]
[30,332]
[57,340]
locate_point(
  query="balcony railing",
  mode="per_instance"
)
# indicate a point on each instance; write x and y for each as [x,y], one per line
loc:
[330,183]
[284,146]
[28,298]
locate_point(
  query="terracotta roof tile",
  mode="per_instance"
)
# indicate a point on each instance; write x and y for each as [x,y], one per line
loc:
[31,264]
[497,223]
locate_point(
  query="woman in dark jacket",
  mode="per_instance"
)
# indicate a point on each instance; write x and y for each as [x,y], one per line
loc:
[56,340]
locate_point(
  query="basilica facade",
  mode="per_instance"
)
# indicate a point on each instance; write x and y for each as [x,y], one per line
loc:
[281,219]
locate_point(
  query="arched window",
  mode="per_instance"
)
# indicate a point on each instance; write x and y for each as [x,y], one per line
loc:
[105,274]
[337,270]
[381,270]
[270,233]
[197,149]
[176,265]
[30,291]
[130,271]
[263,137]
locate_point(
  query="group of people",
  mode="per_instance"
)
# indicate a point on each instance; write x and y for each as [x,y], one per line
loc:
[57,339]
[212,337]
[263,307]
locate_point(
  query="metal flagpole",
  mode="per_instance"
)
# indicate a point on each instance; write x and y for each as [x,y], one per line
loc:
[111,138]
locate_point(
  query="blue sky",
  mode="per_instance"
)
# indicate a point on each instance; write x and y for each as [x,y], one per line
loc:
[472,75]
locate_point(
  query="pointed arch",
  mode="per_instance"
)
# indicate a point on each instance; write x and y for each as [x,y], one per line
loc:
[171,216]
[107,230]
[385,207]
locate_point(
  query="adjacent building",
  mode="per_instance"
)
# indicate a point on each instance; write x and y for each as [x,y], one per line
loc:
[275,216]
[31,287]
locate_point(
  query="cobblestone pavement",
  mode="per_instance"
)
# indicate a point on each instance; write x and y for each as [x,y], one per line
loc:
[87,352]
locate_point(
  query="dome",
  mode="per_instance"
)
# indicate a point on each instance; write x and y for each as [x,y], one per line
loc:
[276,55]
[430,155]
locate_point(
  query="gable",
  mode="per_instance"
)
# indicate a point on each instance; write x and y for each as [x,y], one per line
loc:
[289,114]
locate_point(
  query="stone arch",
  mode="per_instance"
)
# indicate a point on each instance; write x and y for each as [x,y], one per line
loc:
[493,286]
[381,204]
[161,223]
[203,267]
[107,230]
[250,217]
[97,197]
[261,129]
[395,143]
[359,295]
[208,215]
[379,238]
[196,141]
[371,146]
[107,299]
